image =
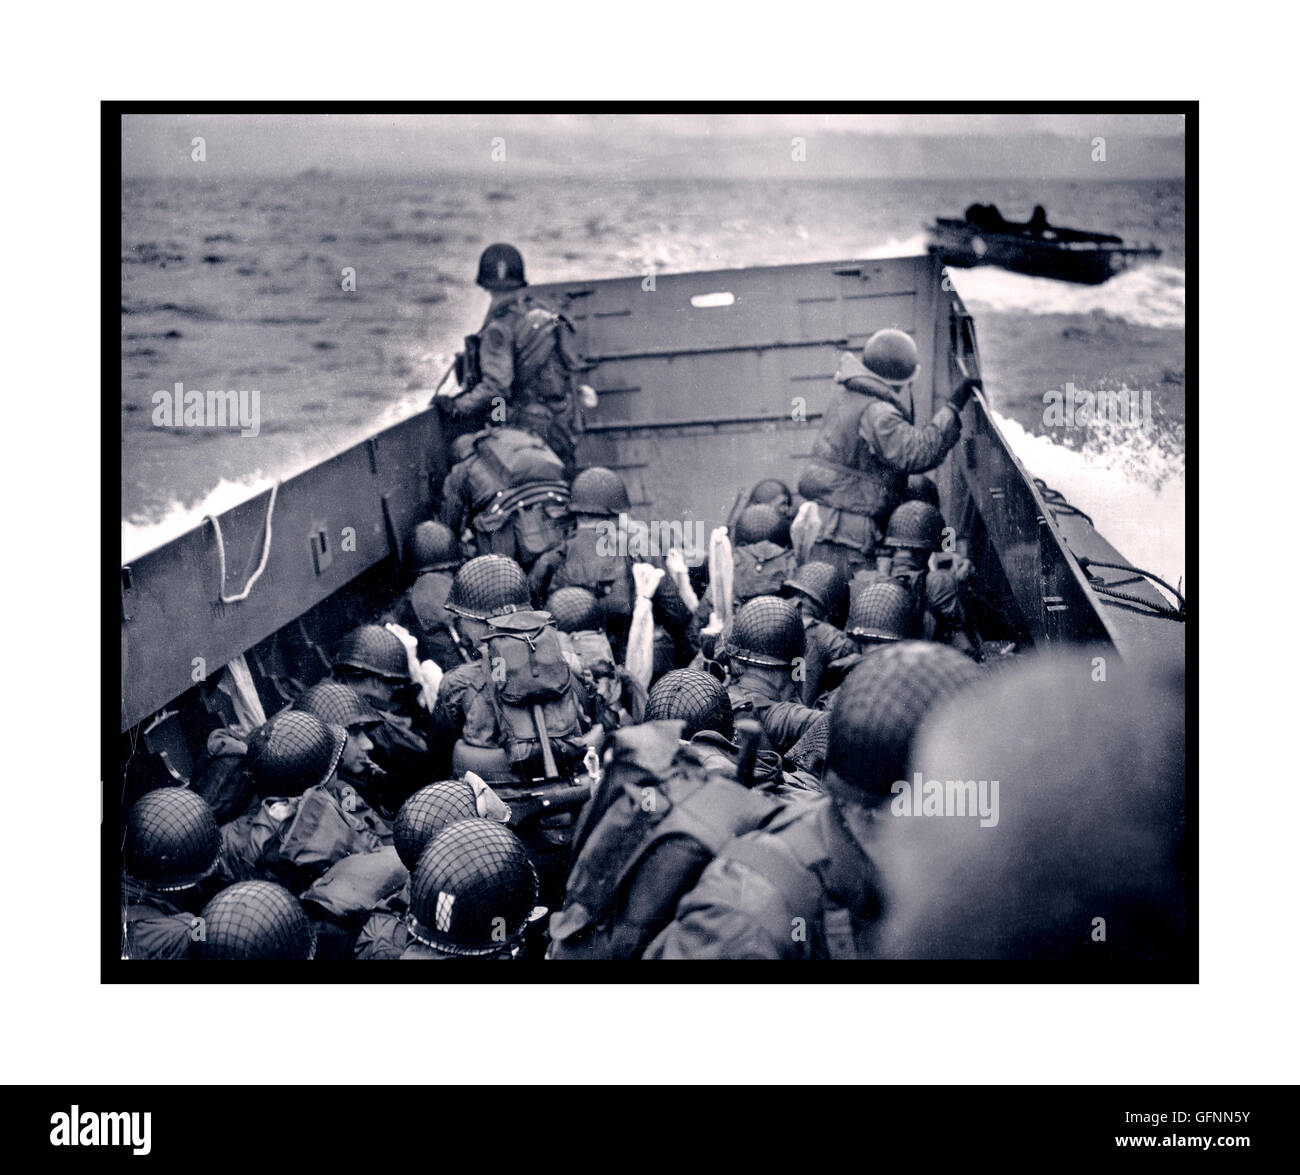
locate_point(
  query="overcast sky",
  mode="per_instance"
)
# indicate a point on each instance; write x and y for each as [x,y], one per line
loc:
[923,145]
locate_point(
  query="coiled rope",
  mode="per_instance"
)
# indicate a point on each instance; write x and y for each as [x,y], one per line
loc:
[266,551]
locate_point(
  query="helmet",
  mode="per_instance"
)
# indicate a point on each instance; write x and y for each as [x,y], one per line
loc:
[574,609]
[915,524]
[761,523]
[767,631]
[693,697]
[337,705]
[823,584]
[373,649]
[501,267]
[921,489]
[892,355]
[490,585]
[881,611]
[598,490]
[771,492]
[880,706]
[809,753]
[255,920]
[171,840]
[432,547]
[472,890]
[292,752]
[427,813]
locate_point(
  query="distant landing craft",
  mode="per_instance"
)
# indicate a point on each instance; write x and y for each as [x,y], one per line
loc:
[1033,247]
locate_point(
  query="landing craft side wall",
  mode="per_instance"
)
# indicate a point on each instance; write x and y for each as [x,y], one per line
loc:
[171,612]
[699,400]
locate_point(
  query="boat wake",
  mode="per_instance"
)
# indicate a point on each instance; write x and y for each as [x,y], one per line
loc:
[1131,482]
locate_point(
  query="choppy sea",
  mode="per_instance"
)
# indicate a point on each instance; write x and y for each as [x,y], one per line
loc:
[237,284]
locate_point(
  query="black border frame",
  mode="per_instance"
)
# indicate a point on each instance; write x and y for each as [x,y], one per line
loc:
[114,969]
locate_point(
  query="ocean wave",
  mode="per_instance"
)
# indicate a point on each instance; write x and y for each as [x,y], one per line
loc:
[142,535]
[1132,483]
[1150,295]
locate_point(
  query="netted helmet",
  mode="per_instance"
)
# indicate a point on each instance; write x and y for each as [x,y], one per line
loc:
[881,611]
[500,267]
[767,631]
[337,704]
[771,492]
[809,753]
[472,890]
[598,490]
[427,813]
[431,546]
[171,841]
[892,355]
[255,920]
[292,752]
[574,609]
[880,706]
[761,523]
[490,585]
[915,524]
[694,698]
[921,489]
[373,649]
[825,585]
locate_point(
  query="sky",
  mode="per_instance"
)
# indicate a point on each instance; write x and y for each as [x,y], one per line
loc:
[689,145]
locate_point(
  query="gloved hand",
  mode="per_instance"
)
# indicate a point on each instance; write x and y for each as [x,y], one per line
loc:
[962,392]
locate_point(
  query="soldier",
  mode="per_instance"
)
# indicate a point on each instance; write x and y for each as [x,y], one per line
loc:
[473,894]
[804,886]
[581,625]
[881,614]
[373,662]
[913,534]
[821,593]
[868,445]
[523,354]
[171,848]
[659,816]
[255,920]
[765,655]
[510,492]
[432,556]
[337,704]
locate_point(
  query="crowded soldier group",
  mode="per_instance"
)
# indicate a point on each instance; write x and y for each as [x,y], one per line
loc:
[545,749]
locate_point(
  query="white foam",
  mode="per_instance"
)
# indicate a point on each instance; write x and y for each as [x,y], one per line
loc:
[1132,486]
[140,536]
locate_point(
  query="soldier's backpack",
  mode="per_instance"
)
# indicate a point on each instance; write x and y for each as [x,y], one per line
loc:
[607,577]
[659,817]
[531,684]
[518,458]
[759,570]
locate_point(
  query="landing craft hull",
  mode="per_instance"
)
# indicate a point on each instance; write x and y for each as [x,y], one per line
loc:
[1083,262]
[709,382]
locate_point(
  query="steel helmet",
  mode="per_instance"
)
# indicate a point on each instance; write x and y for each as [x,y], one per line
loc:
[490,585]
[695,698]
[171,841]
[825,585]
[255,920]
[921,489]
[574,609]
[373,649]
[915,524]
[881,611]
[771,492]
[761,523]
[892,355]
[500,267]
[597,490]
[767,631]
[432,547]
[337,704]
[293,752]
[472,890]
[427,813]
[879,708]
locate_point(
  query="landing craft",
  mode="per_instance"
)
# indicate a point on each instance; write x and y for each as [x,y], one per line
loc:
[714,381]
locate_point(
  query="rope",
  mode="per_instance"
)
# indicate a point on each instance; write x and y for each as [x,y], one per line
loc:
[221,552]
[1057,501]
[1106,589]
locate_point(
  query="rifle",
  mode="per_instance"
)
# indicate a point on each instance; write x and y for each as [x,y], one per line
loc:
[525,803]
